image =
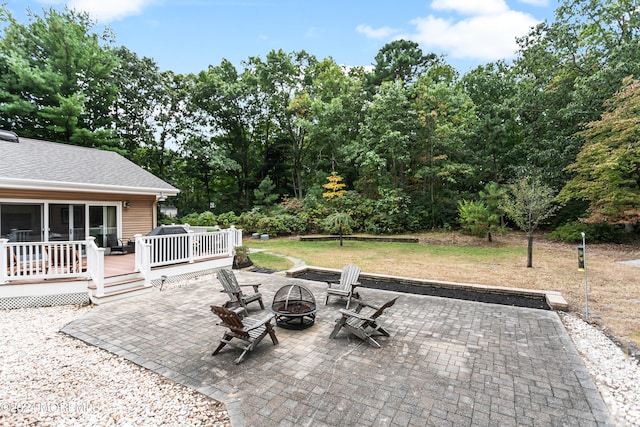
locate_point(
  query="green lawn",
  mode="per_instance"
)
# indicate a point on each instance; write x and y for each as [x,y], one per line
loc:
[331,254]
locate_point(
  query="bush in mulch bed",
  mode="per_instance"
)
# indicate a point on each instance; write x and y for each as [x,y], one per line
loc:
[463,294]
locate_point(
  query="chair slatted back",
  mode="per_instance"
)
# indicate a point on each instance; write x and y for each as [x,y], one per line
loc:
[230,319]
[382,308]
[349,276]
[229,283]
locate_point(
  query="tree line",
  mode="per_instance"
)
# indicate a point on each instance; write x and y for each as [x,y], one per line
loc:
[412,139]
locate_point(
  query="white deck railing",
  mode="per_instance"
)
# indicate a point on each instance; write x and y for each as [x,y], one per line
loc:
[42,260]
[84,259]
[189,247]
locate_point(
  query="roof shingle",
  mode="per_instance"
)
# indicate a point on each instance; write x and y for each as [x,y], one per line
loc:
[32,162]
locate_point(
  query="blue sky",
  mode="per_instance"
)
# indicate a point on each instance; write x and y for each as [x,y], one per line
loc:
[189,35]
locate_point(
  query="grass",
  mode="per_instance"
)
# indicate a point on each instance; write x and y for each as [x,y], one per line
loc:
[270,261]
[614,288]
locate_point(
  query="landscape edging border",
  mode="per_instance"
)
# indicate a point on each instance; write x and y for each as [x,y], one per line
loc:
[554,299]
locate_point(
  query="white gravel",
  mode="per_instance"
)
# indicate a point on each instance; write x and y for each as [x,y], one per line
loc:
[47,378]
[616,374]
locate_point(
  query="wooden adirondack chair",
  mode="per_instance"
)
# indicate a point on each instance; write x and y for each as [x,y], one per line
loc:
[346,285]
[362,325]
[12,262]
[237,298]
[250,330]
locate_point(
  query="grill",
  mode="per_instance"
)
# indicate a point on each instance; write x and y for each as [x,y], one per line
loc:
[294,307]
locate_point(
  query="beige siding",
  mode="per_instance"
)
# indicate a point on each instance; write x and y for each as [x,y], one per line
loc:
[139,218]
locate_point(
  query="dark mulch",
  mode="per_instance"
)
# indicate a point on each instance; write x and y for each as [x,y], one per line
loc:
[463,294]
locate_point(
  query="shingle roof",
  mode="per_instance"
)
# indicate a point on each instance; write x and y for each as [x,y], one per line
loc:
[32,163]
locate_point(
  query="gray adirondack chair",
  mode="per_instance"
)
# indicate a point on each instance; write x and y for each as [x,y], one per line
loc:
[364,326]
[237,298]
[249,330]
[346,285]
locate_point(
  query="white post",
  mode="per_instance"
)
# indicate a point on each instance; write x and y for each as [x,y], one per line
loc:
[4,262]
[95,264]
[137,260]
[189,246]
[145,261]
[231,238]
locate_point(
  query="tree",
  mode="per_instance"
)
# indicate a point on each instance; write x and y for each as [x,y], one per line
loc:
[55,82]
[566,70]
[439,156]
[528,204]
[340,222]
[140,87]
[231,106]
[495,133]
[264,193]
[607,169]
[400,60]
[388,132]
[482,218]
[285,82]
[335,187]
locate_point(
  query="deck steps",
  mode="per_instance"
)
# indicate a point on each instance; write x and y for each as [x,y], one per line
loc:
[119,287]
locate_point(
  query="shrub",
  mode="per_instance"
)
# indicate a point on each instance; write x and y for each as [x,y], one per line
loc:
[600,232]
[227,219]
[391,215]
[338,223]
[273,226]
[248,221]
[477,219]
[292,223]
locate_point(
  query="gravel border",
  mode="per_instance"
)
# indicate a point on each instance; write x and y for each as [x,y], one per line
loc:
[47,378]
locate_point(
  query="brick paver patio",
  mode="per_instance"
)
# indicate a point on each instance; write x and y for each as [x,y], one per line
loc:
[447,363]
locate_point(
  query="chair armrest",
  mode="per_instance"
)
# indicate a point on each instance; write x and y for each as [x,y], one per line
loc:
[256,322]
[349,313]
[255,286]
[361,304]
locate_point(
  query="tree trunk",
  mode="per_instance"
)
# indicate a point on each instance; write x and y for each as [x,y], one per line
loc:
[340,231]
[529,250]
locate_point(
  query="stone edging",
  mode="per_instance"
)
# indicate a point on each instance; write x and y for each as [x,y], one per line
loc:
[554,299]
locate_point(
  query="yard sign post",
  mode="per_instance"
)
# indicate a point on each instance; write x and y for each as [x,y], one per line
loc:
[582,265]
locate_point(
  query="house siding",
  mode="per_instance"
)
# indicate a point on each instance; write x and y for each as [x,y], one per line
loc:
[139,218]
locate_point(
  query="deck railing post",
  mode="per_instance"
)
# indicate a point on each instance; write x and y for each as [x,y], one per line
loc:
[190,248]
[230,241]
[145,261]
[4,262]
[95,264]
[139,243]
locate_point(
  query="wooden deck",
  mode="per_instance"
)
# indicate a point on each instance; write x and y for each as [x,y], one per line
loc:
[116,265]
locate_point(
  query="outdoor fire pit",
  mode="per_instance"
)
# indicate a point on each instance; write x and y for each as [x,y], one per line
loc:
[294,307]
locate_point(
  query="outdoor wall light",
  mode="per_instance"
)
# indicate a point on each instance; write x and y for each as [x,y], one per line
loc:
[126,204]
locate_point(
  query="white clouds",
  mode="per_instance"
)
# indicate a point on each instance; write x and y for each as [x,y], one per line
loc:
[484,37]
[466,29]
[467,7]
[106,11]
[372,33]
[535,2]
